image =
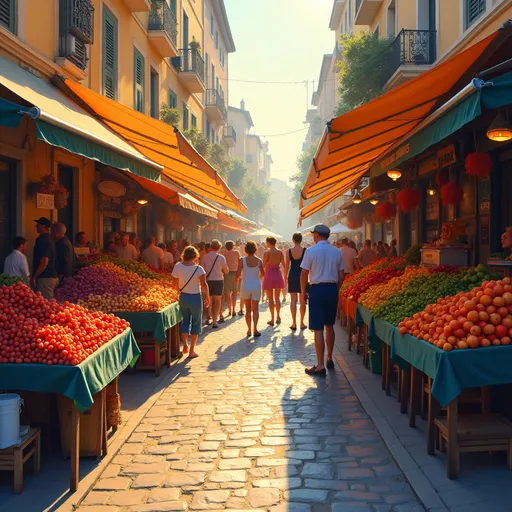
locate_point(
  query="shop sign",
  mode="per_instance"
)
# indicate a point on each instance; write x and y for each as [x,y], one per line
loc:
[112,188]
[432,208]
[396,155]
[45,201]
[111,214]
[447,156]
[485,206]
[428,165]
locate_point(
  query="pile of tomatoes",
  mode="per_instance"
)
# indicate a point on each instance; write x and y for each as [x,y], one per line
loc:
[373,278]
[35,330]
[481,317]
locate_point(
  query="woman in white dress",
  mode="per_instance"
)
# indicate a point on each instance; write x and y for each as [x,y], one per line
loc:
[251,270]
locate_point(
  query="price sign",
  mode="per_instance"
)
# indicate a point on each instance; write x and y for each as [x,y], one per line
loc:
[45,201]
[432,210]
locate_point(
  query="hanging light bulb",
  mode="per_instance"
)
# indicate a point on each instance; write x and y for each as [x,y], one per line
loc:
[431,191]
[142,201]
[394,174]
[374,201]
[500,129]
[356,199]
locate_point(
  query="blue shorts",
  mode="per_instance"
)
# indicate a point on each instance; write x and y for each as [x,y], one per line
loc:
[191,305]
[323,304]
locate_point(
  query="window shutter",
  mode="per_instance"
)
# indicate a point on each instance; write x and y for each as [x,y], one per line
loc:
[109,54]
[138,82]
[173,100]
[173,7]
[8,14]
[474,8]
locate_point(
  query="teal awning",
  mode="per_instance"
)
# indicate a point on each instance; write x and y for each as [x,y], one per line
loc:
[436,127]
[11,113]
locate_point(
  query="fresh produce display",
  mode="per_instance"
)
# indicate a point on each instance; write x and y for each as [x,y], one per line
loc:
[478,274]
[378,264]
[380,293]
[477,318]
[413,255]
[35,330]
[107,287]
[372,279]
[6,280]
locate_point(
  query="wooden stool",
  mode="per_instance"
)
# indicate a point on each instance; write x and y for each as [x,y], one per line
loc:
[145,341]
[13,458]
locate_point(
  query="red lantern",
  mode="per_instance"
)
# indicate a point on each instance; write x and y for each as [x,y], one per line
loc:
[478,164]
[408,199]
[385,210]
[392,197]
[442,178]
[451,193]
[353,223]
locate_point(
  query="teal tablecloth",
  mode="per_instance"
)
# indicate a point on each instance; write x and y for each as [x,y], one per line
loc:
[80,382]
[156,322]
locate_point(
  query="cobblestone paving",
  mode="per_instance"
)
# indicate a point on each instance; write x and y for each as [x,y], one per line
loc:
[243,428]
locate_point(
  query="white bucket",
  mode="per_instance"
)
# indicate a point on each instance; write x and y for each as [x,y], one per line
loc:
[10,409]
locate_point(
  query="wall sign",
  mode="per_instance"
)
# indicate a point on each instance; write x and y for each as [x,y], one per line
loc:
[432,207]
[45,201]
[447,156]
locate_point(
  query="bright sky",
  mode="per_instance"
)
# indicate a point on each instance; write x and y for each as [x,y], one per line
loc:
[278,40]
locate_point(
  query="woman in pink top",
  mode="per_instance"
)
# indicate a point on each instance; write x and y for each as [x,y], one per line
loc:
[230,288]
[273,282]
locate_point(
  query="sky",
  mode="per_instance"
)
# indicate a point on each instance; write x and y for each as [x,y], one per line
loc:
[276,41]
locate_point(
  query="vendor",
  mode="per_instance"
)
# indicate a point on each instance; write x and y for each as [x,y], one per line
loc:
[16,264]
[506,238]
[65,254]
[126,251]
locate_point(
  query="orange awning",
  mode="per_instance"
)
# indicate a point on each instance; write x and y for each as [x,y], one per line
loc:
[159,142]
[173,194]
[354,140]
[227,224]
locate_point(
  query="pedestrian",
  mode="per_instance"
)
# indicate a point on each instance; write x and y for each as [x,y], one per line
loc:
[323,267]
[153,255]
[190,278]
[173,249]
[16,264]
[366,255]
[292,272]
[353,245]
[65,258]
[230,288]
[387,248]
[44,277]
[381,253]
[81,240]
[393,253]
[251,270]
[216,267]
[273,281]
[111,243]
[349,257]
[168,259]
[125,250]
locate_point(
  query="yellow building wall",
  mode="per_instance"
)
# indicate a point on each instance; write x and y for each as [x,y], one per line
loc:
[39,27]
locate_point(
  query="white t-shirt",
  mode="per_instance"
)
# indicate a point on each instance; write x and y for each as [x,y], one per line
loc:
[218,268]
[324,261]
[349,257]
[16,264]
[168,258]
[127,253]
[183,273]
[152,256]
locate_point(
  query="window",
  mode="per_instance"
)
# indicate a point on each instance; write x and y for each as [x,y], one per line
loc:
[207,129]
[193,121]
[154,90]
[248,159]
[185,116]
[213,76]
[216,40]
[173,100]
[211,25]
[221,57]
[206,69]
[173,7]
[349,13]
[474,8]
[109,55]
[138,82]
[8,15]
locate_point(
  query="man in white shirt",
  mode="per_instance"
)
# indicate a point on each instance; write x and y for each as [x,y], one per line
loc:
[350,260]
[215,266]
[323,267]
[16,264]
[126,251]
[153,255]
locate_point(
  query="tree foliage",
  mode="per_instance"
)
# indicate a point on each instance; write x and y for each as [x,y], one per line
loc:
[304,161]
[255,198]
[237,176]
[219,158]
[169,115]
[198,140]
[363,70]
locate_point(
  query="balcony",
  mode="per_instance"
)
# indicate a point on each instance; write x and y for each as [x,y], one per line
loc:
[138,5]
[214,106]
[366,10]
[190,67]
[163,29]
[412,53]
[229,136]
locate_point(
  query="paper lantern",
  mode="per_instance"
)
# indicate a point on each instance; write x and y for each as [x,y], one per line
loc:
[385,210]
[478,164]
[442,178]
[451,193]
[392,197]
[408,199]
[353,223]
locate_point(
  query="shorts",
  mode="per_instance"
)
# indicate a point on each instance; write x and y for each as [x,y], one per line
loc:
[191,305]
[216,288]
[323,303]
[47,285]
[251,294]
[229,282]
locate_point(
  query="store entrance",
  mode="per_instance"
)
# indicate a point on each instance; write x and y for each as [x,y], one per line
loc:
[66,214]
[7,208]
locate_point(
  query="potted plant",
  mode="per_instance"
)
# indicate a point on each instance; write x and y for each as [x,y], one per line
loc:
[195,46]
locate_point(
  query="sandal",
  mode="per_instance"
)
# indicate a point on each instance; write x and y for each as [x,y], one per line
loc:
[221,320]
[293,327]
[330,364]
[193,355]
[270,323]
[316,373]
[249,334]
[208,322]
[303,327]
[215,326]
[278,321]
[257,333]
[241,313]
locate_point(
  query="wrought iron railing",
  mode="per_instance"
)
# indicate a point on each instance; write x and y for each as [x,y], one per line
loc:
[358,4]
[82,20]
[161,17]
[229,132]
[412,47]
[192,61]
[214,99]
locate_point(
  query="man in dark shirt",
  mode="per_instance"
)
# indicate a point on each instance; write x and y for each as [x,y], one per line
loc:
[65,254]
[44,275]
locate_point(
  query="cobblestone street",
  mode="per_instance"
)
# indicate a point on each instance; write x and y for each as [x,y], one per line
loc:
[242,427]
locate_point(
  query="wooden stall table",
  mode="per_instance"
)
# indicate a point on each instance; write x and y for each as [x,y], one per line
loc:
[79,383]
[153,331]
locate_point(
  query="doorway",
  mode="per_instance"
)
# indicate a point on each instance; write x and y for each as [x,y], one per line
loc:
[66,215]
[391,20]
[7,208]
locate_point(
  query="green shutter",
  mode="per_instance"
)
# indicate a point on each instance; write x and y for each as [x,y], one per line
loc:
[8,14]
[185,116]
[173,7]
[474,8]
[138,82]
[173,99]
[109,54]
[193,121]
